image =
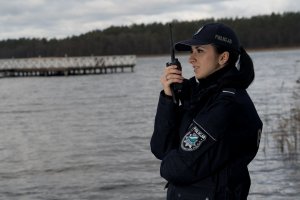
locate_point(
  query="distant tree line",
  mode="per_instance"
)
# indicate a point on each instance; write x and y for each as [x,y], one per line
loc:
[263,31]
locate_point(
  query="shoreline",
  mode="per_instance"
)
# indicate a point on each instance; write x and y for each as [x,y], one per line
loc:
[273,49]
[247,49]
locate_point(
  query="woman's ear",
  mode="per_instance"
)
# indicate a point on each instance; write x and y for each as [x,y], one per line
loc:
[223,58]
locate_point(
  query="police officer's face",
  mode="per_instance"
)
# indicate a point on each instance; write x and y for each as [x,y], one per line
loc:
[205,60]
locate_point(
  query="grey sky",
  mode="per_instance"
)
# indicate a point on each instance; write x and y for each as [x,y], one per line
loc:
[63,18]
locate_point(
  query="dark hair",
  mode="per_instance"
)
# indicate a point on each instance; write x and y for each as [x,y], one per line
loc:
[233,55]
[246,69]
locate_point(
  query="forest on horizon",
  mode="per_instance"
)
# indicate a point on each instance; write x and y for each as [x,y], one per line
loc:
[257,32]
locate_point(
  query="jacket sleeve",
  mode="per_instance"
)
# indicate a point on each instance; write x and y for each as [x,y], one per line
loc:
[165,135]
[203,149]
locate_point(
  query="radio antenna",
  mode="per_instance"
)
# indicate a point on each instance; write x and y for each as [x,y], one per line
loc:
[171,43]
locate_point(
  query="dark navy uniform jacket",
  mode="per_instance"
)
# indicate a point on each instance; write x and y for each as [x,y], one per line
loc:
[206,143]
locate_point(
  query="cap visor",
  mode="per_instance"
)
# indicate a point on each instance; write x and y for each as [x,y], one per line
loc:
[186,44]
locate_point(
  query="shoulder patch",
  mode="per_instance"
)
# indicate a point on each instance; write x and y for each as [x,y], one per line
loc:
[193,138]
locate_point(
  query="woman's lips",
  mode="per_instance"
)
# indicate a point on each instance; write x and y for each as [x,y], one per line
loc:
[196,68]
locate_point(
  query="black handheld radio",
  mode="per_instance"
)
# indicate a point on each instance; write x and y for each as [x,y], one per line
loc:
[175,87]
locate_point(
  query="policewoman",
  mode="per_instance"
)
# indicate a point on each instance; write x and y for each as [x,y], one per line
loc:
[207,140]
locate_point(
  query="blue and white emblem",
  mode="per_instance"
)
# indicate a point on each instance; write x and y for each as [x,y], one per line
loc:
[192,139]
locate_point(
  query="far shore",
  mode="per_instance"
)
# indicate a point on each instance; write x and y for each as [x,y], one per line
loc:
[248,50]
[273,49]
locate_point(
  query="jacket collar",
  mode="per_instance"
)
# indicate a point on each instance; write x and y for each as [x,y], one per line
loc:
[216,78]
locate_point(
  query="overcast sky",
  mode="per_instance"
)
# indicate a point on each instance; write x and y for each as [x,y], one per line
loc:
[63,18]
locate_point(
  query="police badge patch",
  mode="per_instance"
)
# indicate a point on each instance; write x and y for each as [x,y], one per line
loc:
[193,138]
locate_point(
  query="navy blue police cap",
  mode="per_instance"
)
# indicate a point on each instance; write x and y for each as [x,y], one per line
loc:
[212,33]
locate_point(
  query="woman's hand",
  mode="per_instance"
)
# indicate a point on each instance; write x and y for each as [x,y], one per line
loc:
[171,75]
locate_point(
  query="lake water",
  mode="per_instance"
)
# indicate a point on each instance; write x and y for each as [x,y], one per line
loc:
[87,137]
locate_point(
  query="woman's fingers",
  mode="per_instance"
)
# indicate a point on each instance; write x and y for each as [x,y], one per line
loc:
[171,75]
[172,70]
[174,77]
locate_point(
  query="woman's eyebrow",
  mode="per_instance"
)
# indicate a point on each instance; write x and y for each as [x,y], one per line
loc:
[199,47]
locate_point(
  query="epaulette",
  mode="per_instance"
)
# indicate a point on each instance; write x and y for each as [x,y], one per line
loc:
[229,91]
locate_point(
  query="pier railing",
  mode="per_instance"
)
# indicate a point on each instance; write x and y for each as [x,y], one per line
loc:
[58,66]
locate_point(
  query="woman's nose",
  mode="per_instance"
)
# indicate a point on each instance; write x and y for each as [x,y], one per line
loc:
[191,59]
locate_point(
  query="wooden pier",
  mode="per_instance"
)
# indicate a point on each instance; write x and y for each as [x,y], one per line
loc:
[66,66]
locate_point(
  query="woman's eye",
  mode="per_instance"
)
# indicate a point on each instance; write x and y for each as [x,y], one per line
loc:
[196,50]
[199,50]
